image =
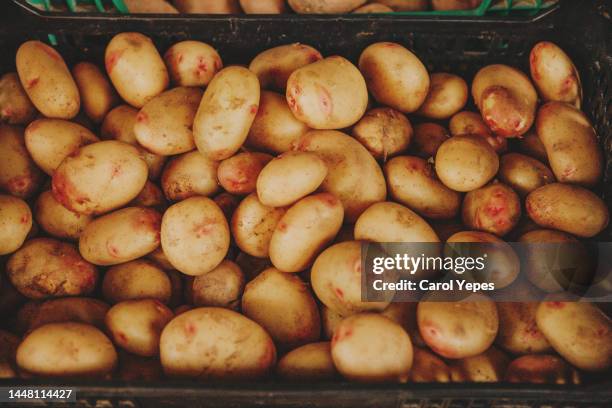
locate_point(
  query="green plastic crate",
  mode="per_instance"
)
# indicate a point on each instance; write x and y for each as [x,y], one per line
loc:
[102,6]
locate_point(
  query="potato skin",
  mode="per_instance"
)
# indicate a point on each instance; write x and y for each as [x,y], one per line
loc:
[71,309]
[495,209]
[448,94]
[488,367]
[579,331]
[44,268]
[98,96]
[192,63]
[263,6]
[195,235]
[373,8]
[518,330]
[385,132]
[455,4]
[150,6]
[283,305]
[15,223]
[207,6]
[188,175]
[411,181]
[15,105]
[571,144]
[541,369]
[19,176]
[370,347]
[239,173]
[524,174]
[150,196]
[125,54]
[428,137]
[221,287]
[311,362]
[221,124]
[406,5]
[531,145]
[214,343]
[554,74]
[140,279]
[47,80]
[568,208]
[428,368]
[57,220]
[324,7]
[67,350]
[471,123]
[395,76]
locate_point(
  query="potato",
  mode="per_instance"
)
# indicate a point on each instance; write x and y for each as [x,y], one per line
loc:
[455,4]
[226,112]
[125,56]
[100,177]
[150,196]
[495,209]
[136,368]
[58,221]
[140,279]
[159,258]
[531,145]
[216,344]
[263,6]
[188,175]
[329,321]
[304,230]
[192,63]
[327,94]
[579,331]
[238,174]
[311,362]
[406,5]
[518,331]
[45,268]
[136,325]
[488,367]
[466,163]
[19,176]
[458,329]
[353,174]
[427,139]
[15,223]
[324,7]
[506,99]
[448,94]
[207,6]
[228,204]
[121,236]
[428,368]
[384,132]
[369,347]
[15,105]
[72,309]
[541,369]
[148,6]
[471,123]
[336,280]
[274,66]
[253,224]
[283,305]
[50,141]
[98,96]
[275,129]
[523,173]
[372,8]
[404,314]
[571,144]
[555,75]
[195,235]
[395,76]
[67,350]
[47,80]
[411,181]
[568,208]
[221,287]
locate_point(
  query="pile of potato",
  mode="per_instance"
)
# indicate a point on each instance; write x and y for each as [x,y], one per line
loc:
[169,216]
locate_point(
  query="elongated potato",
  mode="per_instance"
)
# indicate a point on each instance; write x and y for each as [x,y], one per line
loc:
[263,6]
[57,220]
[238,174]
[568,208]
[213,343]
[97,94]
[385,132]
[19,175]
[190,174]
[15,105]
[195,235]
[324,7]
[192,63]
[15,223]
[221,287]
[554,74]
[135,280]
[71,309]
[428,368]
[226,112]
[370,347]
[412,182]
[541,369]
[471,123]
[523,173]
[283,305]
[47,80]
[448,94]
[488,367]
[311,362]
[208,6]
[518,330]
[571,144]
[50,141]
[395,76]
[495,209]
[428,137]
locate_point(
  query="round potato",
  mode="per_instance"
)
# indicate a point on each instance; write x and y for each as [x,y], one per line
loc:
[428,368]
[192,63]
[45,268]
[15,223]
[216,344]
[136,325]
[324,7]
[124,58]
[385,132]
[208,6]
[411,181]
[370,347]
[47,80]
[518,331]
[15,105]
[195,235]
[428,137]
[19,176]
[226,112]
[495,209]
[311,362]
[448,94]
[466,163]
[568,208]
[395,76]
[471,123]
[554,74]
[571,144]
[97,94]
[523,173]
[372,8]
[263,6]
[58,221]
[188,175]
[135,280]
[221,287]
[541,369]
[304,230]
[67,350]
[150,196]
[488,367]
[238,174]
